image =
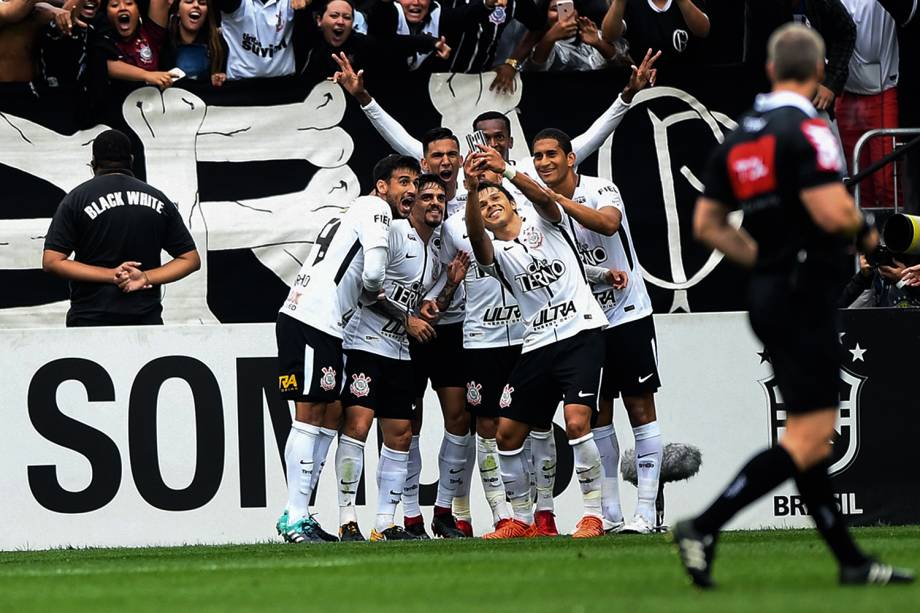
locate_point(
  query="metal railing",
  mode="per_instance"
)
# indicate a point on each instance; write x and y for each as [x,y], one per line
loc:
[899,152]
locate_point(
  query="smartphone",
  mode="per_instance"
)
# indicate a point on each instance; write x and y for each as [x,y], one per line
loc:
[476,138]
[565,9]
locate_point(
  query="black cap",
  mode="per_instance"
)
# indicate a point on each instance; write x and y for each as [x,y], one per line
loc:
[112,147]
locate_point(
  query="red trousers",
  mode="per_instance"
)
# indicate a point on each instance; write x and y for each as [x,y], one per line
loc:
[857,114]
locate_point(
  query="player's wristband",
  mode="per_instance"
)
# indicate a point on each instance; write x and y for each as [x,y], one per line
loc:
[509,172]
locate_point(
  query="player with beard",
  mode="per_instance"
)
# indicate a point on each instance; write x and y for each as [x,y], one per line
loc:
[783,168]
[598,221]
[347,263]
[535,259]
[378,371]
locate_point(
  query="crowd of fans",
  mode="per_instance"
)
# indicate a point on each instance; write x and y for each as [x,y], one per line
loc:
[84,46]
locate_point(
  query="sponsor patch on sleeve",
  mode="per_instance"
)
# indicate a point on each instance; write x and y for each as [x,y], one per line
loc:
[827,150]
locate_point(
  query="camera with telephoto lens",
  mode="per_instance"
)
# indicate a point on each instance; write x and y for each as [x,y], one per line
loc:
[901,235]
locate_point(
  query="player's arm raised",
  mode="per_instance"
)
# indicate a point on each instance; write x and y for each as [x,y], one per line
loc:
[711,227]
[475,226]
[542,200]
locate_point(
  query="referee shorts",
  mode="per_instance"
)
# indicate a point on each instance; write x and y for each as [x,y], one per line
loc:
[798,329]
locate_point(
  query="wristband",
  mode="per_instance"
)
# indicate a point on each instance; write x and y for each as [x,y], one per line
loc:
[509,172]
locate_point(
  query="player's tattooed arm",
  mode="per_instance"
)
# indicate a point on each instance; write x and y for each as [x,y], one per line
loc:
[456,272]
[475,226]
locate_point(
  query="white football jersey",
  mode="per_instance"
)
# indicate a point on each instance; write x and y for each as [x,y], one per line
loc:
[493,318]
[541,267]
[617,252]
[456,313]
[329,282]
[412,268]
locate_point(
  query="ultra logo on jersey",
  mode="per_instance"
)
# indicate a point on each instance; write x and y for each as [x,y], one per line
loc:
[846,438]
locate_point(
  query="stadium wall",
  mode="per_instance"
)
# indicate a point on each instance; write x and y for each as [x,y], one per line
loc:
[173,435]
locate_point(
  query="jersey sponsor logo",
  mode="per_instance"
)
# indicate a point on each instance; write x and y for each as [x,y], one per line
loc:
[825,143]
[845,442]
[394,329]
[751,167]
[501,315]
[473,393]
[540,274]
[554,315]
[407,295]
[293,300]
[592,256]
[288,383]
[505,401]
[360,385]
[327,381]
[254,45]
[533,238]
[607,299]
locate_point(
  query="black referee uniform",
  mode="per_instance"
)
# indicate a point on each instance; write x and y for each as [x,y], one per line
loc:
[108,220]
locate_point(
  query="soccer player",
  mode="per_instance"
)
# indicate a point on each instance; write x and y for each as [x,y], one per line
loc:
[347,262]
[535,259]
[782,167]
[378,370]
[598,221]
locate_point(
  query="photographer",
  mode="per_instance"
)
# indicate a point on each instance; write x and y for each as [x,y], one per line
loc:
[877,282]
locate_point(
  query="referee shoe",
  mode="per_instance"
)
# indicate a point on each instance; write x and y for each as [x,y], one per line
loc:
[697,552]
[874,572]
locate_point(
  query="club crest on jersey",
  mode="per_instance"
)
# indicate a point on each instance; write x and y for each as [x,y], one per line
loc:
[474,393]
[846,436]
[533,238]
[146,53]
[360,385]
[498,15]
[327,381]
[287,383]
[505,401]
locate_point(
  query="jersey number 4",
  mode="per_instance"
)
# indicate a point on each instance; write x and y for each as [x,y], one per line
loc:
[325,239]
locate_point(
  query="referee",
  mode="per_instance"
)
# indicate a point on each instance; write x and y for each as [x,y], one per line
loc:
[116,226]
[782,167]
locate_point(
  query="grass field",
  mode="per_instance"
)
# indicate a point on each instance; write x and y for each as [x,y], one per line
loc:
[757,571]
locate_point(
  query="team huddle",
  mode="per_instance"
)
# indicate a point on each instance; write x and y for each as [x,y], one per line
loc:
[509,287]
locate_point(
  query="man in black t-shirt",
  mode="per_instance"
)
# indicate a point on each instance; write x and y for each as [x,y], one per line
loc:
[676,27]
[116,226]
[782,168]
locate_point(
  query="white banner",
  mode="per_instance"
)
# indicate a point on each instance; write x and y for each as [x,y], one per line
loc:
[136,436]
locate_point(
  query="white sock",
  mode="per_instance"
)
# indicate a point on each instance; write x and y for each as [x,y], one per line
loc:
[606,439]
[489,472]
[517,483]
[648,468]
[298,455]
[451,463]
[349,463]
[544,466]
[531,473]
[589,472]
[320,451]
[391,479]
[461,506]
[410,491]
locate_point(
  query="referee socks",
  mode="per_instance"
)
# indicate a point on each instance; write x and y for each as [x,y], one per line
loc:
[761,474]
[815,487]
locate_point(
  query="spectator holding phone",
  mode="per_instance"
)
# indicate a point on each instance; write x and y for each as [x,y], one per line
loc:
[572,42]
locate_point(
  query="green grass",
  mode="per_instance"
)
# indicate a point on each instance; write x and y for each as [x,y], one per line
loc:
[757,571]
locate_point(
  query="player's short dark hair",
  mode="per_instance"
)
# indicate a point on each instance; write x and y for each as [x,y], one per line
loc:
[112,149]
[565,143]
[384,169]
[795,52]
[435,134]
[428,179]
[484,185]
[492,115]
[320,10]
